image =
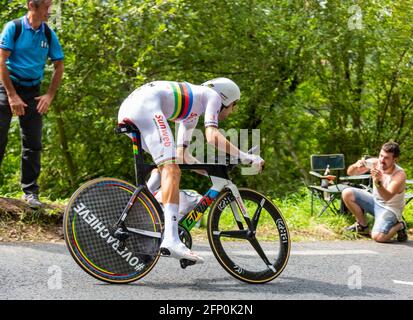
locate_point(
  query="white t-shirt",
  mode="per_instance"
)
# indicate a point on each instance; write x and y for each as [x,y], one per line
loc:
[396,203]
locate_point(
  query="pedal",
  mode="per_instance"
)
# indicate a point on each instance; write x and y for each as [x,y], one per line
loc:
[165,252]
[185,263]
[121,235]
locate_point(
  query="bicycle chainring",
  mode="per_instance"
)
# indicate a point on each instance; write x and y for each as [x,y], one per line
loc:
[185,237]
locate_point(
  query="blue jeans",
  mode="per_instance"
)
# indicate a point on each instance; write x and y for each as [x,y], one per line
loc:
[384,219]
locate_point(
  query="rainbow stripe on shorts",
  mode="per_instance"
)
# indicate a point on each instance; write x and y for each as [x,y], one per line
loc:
[183,100]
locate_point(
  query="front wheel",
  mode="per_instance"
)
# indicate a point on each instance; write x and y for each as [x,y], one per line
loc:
[255,254]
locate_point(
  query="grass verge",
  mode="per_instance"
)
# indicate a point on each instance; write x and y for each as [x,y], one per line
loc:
[18,222]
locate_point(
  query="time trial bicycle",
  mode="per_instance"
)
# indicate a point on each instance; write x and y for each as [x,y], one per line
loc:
[114,229]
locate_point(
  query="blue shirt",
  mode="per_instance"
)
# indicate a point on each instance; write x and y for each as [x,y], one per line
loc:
[29,54]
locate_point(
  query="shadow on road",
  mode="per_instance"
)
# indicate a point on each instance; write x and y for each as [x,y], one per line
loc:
[282,286]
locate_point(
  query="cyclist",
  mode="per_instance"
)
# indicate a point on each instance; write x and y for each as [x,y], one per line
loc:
[150,107]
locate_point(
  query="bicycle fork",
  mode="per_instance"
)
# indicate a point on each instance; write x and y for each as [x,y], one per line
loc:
[250,233]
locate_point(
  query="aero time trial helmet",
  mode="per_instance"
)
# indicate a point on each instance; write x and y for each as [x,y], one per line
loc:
[226,88]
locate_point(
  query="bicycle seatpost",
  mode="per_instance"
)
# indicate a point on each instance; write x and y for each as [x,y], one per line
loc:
[141,169]
[138,156]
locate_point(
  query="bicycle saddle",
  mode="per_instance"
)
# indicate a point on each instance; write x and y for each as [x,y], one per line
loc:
[126,126]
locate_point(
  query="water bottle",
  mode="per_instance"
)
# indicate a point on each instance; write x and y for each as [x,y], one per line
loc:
[188,199]
[325,183]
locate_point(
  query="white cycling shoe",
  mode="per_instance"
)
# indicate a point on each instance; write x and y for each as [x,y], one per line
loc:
[179,251]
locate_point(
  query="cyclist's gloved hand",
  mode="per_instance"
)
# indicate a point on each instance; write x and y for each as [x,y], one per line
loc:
[258,164]
[255,161]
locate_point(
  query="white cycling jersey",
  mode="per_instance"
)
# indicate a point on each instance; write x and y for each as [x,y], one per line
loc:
[151,106]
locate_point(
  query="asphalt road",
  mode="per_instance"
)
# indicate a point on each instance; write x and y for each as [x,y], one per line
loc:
[316,270]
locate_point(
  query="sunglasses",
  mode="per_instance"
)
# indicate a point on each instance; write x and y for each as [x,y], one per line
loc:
[226,107]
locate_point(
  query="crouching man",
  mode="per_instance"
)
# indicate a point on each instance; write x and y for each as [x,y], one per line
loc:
[386,203]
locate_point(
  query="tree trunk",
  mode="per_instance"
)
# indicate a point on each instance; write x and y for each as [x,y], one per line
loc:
[64,144]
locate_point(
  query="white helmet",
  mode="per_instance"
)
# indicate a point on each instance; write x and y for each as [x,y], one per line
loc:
[226,88]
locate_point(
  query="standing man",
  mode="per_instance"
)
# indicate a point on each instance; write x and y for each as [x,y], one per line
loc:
[387,201]
[25,44]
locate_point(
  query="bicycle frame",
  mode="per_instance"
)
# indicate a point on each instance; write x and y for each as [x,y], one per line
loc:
[217,172]
[218,184]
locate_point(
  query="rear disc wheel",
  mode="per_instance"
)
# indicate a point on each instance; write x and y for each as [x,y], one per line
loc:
[88,226]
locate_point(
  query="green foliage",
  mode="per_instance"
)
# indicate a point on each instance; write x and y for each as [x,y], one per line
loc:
[312,80]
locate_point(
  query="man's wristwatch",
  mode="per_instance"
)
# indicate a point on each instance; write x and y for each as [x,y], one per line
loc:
[378,184]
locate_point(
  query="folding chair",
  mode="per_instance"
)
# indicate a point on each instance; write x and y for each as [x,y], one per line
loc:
[408,196]
[319,164]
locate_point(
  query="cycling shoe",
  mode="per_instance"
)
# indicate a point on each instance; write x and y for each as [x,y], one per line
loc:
[180,251]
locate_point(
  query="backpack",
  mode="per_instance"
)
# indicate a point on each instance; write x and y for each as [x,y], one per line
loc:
[19,27]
